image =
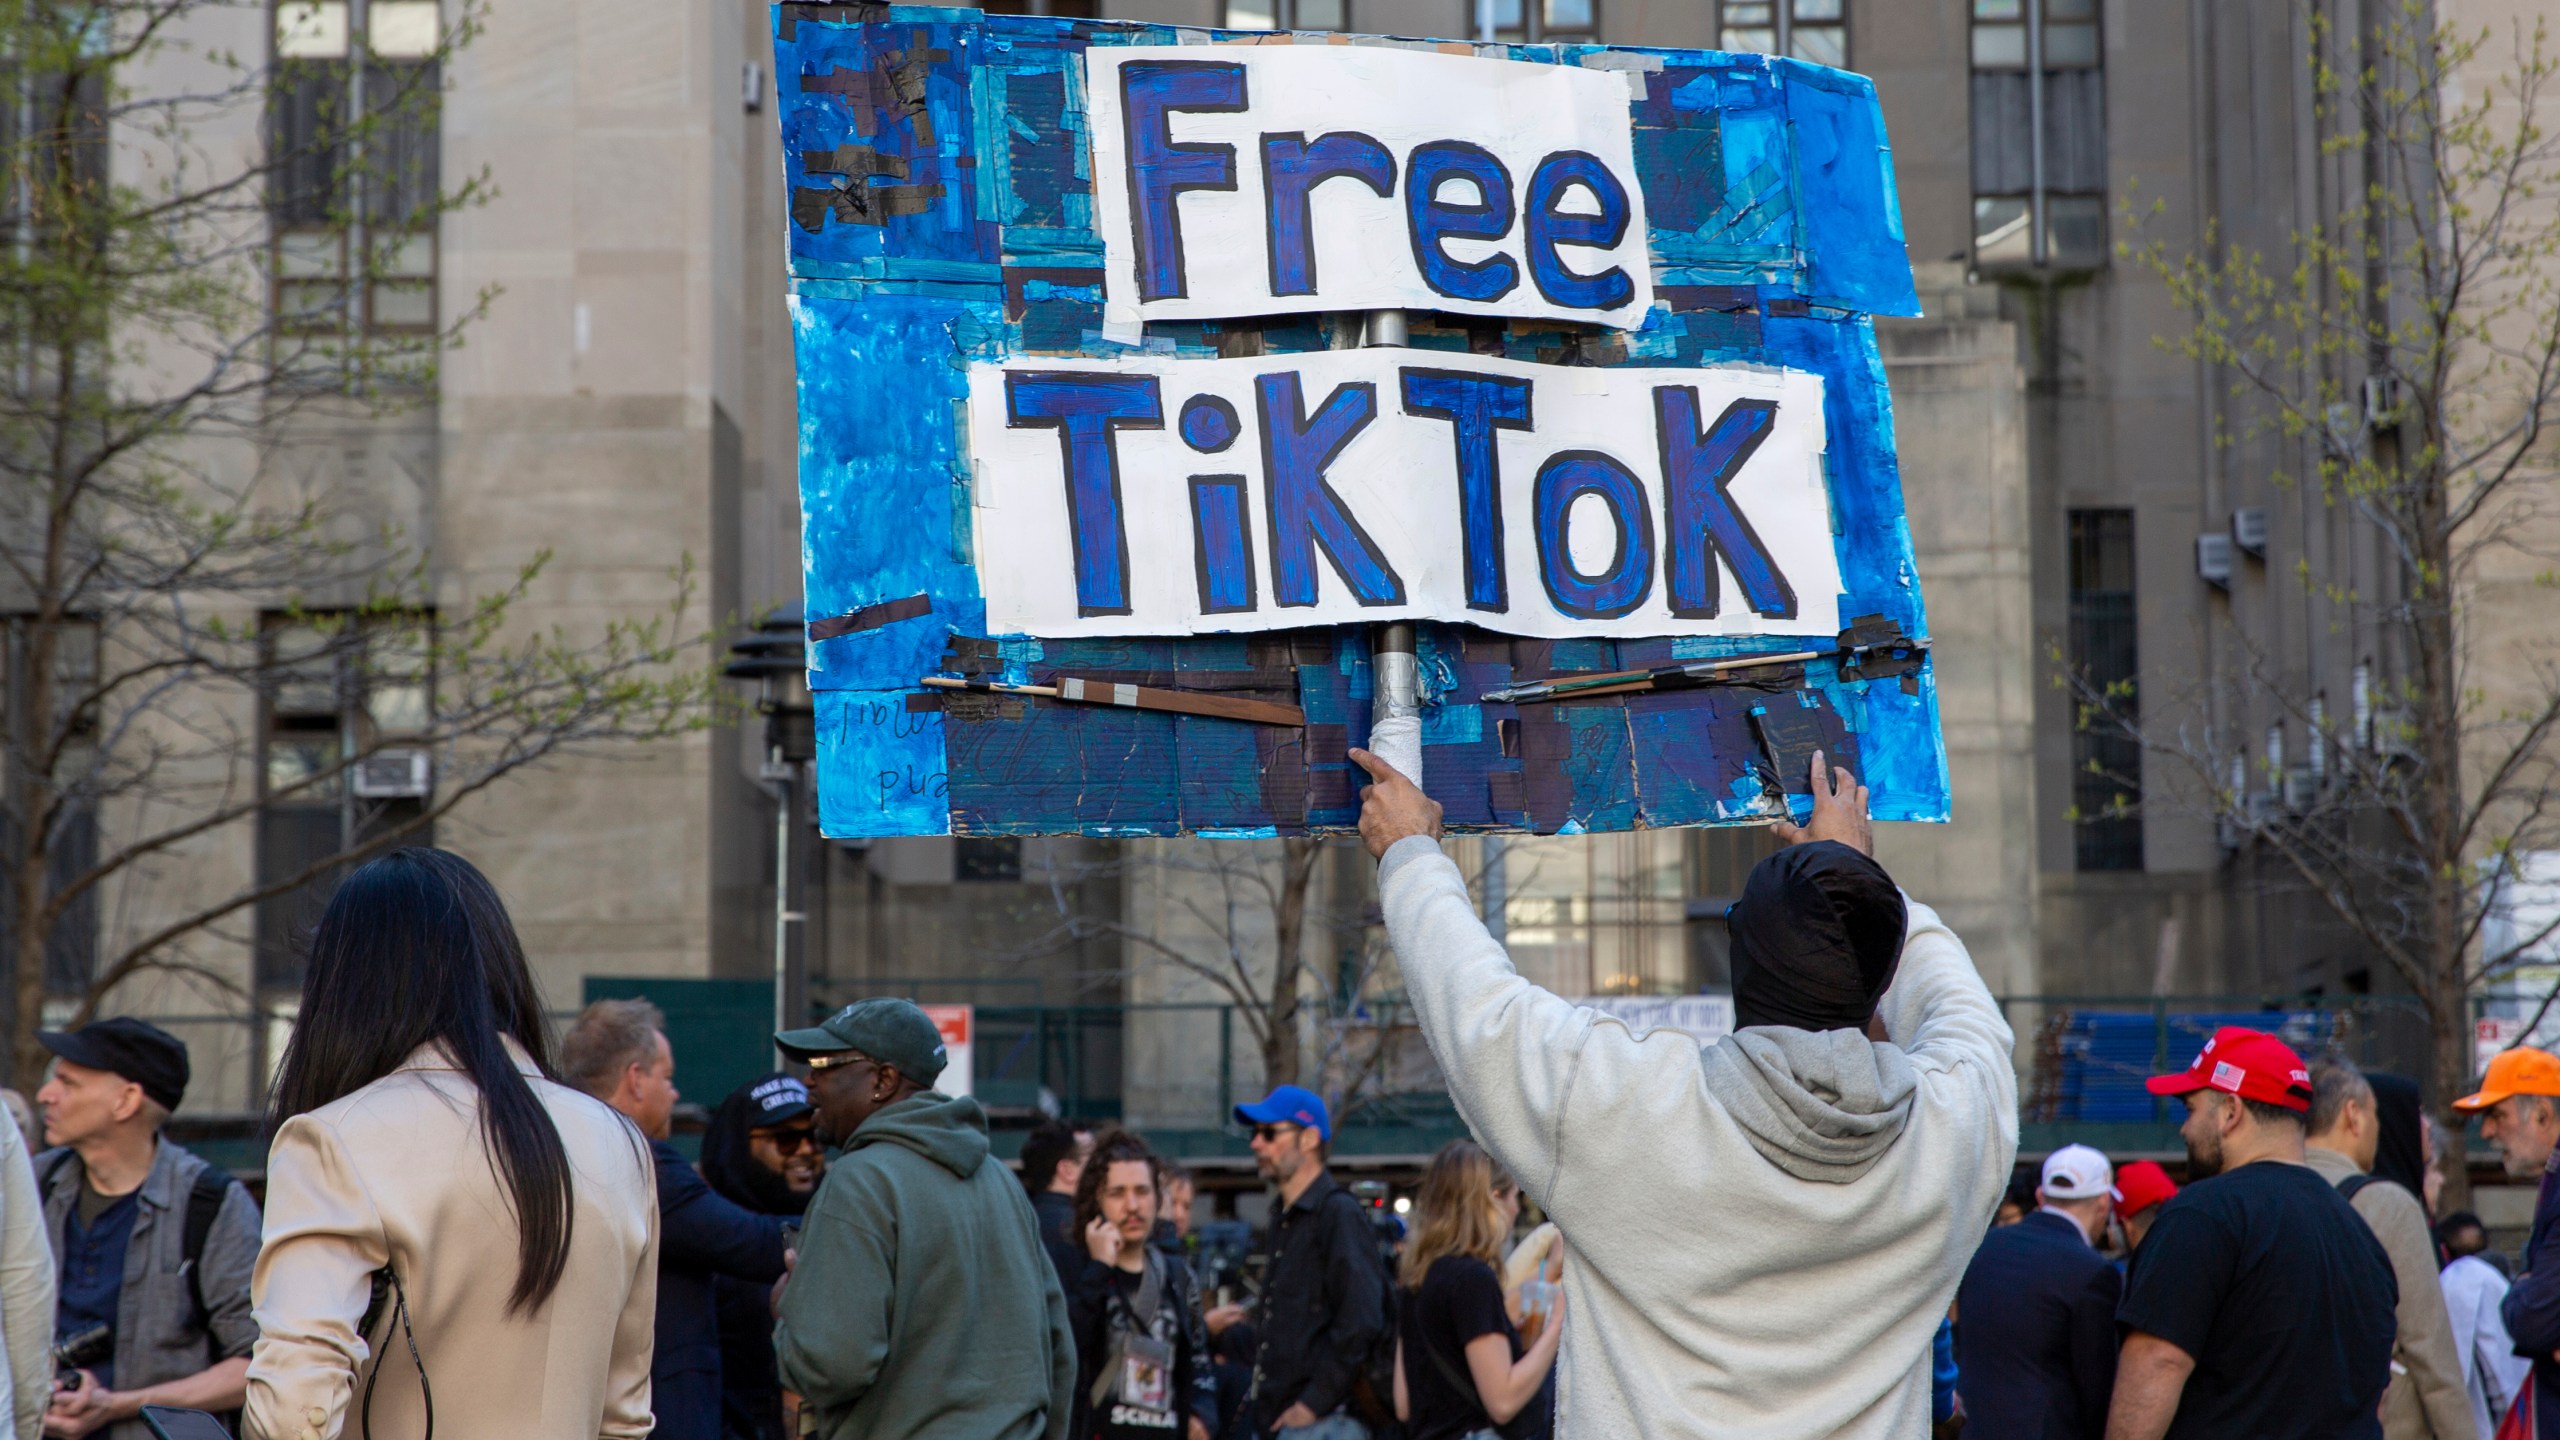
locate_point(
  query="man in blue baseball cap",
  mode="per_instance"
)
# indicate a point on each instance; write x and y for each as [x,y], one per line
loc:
[1323,1307]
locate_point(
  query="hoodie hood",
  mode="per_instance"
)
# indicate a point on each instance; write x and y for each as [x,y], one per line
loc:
[949,1130]
[729,1163]
[1821,1105]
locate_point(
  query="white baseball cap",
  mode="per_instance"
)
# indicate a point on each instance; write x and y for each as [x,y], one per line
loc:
[2076,1172]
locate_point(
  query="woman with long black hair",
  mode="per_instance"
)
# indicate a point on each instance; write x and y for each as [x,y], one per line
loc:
[452,1238]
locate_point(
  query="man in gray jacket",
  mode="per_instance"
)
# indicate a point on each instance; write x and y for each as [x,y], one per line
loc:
[152,1246]
[2426,1399]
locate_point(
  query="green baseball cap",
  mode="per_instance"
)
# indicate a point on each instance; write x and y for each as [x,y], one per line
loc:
[893,1032]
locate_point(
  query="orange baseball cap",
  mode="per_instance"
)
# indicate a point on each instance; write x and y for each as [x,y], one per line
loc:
[2521,1071]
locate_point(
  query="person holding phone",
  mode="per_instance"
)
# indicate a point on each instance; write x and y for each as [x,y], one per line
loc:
[1143,1367]
[450,1230]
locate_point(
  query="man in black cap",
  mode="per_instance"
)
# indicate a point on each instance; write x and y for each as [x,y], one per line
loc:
[1766,1231]
[152,1245]
[921,1301]
[761,1151]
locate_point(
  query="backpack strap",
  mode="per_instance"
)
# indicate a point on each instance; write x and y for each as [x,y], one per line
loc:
[204,1206]
[2354,1184]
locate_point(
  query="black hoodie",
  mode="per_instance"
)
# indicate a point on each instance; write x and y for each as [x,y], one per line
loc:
[750,1387]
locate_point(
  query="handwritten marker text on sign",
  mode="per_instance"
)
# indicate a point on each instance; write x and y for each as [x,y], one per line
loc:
[1348,486]
[1363,178]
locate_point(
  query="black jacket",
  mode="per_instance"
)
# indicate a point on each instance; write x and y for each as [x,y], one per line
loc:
[1324,1304]
[1089,1312]
[2036,1333]
[701,1236]
[2532,1307]
[1057,1216]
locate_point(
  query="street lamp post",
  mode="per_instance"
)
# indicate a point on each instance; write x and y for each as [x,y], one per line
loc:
[775,657]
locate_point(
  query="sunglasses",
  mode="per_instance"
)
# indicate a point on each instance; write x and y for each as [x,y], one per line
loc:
[790,1141]
[1274,1130]
[822,1063]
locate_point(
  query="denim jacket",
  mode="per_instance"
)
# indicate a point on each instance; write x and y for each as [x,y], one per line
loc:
[160,1335]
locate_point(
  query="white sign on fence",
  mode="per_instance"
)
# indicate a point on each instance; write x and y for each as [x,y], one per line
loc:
[1359,485]
[958,1024]
[1268,179]
[1705,1018]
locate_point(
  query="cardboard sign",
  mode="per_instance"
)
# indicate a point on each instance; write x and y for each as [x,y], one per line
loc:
[1362,178]
[1031,469]
[1169,497]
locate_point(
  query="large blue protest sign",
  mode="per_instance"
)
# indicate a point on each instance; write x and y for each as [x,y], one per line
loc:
[1075,306]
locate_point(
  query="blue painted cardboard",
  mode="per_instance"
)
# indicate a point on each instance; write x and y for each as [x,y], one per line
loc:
[941,211]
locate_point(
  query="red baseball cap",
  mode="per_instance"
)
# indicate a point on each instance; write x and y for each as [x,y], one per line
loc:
[2251,1064]
[2141,1185]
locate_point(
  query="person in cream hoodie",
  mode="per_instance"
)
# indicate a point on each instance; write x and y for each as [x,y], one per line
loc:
[1765,1231]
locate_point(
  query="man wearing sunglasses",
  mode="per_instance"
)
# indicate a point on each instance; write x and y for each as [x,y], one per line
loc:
[1767,1230]
[1324,1289]
[921,1302]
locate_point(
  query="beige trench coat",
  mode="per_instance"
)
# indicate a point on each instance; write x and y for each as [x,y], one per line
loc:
[396,1173]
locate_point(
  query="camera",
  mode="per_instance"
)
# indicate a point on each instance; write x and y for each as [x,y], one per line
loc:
[83,1349]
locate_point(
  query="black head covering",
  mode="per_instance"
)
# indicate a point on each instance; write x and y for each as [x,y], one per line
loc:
[2401,1155]
[1816,938]
[730,1166]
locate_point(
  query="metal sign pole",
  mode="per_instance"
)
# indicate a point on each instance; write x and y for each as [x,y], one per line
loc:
[1395,671]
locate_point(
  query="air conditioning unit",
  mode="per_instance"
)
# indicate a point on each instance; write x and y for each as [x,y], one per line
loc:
[2249,530]
[2394,734]
[2259,807]
[2301,789]
[395,775]
[2381,401]
[2213,560]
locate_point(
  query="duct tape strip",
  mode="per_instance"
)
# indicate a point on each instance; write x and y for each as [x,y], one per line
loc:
[871,617]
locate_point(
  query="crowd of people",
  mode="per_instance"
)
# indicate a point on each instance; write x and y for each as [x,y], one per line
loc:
[1809,1228]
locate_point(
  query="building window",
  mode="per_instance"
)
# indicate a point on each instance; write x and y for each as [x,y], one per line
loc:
[1288,14]
[1721,858]
[986,859]
[2039,134]
[2106,781]
[339,688]
[353,208]
[1815,30]
[1540,22]
[71,946]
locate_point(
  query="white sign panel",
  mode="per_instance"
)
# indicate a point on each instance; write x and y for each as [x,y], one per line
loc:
[958,1024]
[1166,497]
[1268,179]
[1704,1018]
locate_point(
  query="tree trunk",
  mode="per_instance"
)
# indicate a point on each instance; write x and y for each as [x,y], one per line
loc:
[2449,1027]
[1280,1044]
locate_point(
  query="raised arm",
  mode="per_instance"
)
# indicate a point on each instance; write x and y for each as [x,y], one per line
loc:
[1508,1048]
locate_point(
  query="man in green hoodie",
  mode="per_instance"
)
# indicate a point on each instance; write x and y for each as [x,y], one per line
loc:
[921,1306]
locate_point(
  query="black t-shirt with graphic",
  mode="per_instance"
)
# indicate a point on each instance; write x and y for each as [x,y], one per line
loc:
[2273,1283]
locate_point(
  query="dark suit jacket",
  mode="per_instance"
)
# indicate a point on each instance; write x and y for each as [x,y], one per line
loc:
[2036,1334]
[2532,1307]
[701,1235]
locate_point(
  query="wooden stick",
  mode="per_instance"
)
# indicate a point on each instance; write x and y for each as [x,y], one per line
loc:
[1615,682]
[1076,690]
